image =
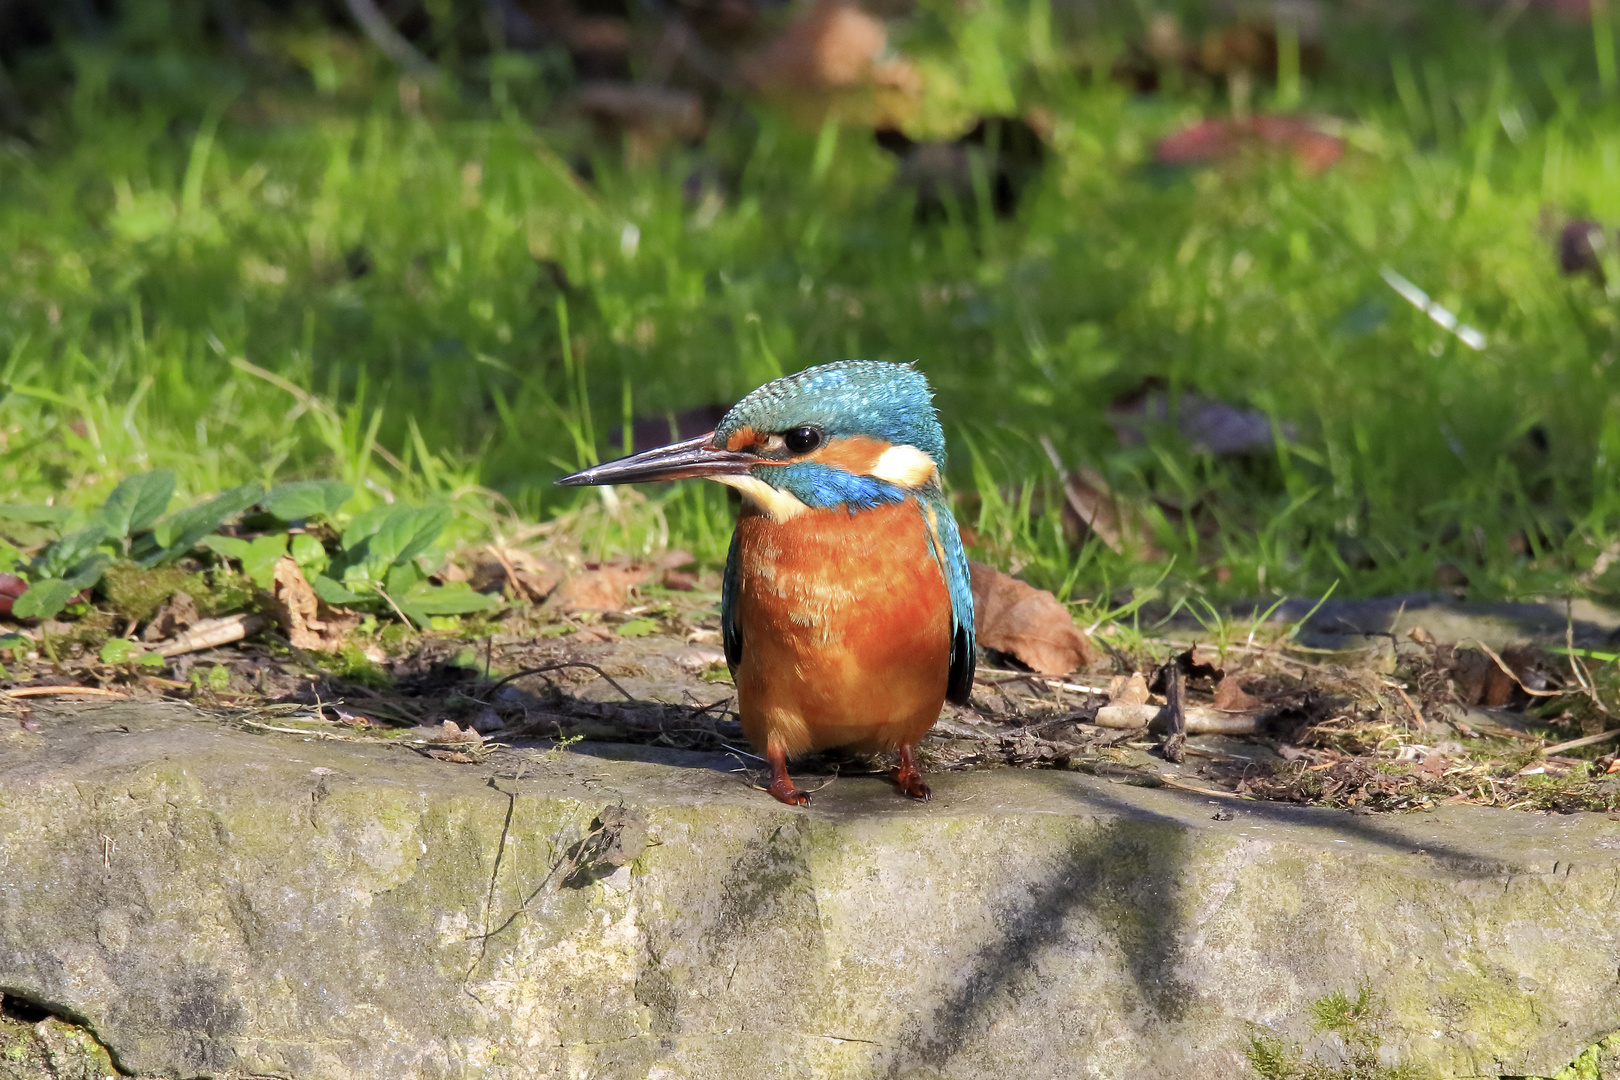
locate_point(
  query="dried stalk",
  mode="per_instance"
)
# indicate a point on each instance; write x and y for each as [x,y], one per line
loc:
[212,633]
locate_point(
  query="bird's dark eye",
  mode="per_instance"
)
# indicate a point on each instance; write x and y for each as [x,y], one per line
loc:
[802,440]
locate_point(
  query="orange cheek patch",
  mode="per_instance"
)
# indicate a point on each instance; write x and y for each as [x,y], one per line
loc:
[856,454]
[743,438]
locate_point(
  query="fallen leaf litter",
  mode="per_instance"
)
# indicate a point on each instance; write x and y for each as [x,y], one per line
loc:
[1449,723]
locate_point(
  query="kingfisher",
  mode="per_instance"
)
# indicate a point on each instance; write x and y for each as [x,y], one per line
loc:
[846,610]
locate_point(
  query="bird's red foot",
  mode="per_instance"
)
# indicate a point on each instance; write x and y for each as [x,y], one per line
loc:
[908,778]
[782,787]
[785,791]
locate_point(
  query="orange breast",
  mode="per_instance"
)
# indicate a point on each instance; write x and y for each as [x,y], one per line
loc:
[846,626]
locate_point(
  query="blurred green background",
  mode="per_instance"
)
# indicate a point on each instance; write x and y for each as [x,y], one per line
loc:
[244,242]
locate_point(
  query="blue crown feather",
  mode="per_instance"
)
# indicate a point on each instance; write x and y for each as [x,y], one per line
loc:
[892,402]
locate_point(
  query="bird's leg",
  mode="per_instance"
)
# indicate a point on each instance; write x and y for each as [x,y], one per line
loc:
[781,785]
[909,778]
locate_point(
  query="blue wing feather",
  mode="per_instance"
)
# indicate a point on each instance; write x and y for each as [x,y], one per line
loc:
[959,583]
[730,631]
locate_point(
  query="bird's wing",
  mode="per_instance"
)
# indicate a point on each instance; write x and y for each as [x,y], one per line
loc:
[953,561]
[730,629]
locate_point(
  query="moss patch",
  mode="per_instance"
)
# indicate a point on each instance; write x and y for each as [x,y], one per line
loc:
[137,592]
[1357,1021]
[50,1049]
[1600,1061]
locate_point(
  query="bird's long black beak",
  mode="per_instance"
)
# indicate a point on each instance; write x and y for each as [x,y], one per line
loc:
[677,461]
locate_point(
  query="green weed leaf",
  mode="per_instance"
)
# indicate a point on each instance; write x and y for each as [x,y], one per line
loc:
[232,547]
[35,513]
[263,554]
[637,628]
[45,599]
[257,556]
[119,650]
[303,499]
[88,571]
[364,524]
[332,592]
[137,502]
[455,599]
[72,549]
[309,553]
[402,578]
[391,538]
[180,532]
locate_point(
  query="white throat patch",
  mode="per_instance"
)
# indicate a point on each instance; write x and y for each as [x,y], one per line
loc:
[905,466]
[780,505]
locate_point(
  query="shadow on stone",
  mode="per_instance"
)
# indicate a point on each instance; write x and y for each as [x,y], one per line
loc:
[1126,880]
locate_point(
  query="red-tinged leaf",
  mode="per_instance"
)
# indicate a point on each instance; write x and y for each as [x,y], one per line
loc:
[1029,623]
[680,580]
[11,587]
[1219,140]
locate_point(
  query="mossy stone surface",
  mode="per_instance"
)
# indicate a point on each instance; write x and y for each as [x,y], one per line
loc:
[51,1050]
[213,902]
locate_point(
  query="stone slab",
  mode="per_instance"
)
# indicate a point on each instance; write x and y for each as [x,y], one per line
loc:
[1350,624]
[210,902]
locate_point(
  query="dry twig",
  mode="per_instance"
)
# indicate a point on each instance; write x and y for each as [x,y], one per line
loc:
[211,633]
[65,691]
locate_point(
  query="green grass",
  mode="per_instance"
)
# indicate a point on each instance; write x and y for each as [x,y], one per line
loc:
[1356,1024]
[249,278]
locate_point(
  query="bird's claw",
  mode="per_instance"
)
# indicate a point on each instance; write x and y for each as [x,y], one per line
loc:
[910,781]
[908,778]
[784,791]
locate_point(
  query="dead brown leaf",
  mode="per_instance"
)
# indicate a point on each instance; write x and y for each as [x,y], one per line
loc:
[178,614]
[1090,506]
[307,620]
[451,755]
[525,574]
[834,46]
[601,587]
[1208,424]
[1230,697]
[1479,680]
[1128,689]
[834,49]
[1029,623]
[449,732]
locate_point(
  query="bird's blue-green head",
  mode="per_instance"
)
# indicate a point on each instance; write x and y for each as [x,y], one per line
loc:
[854,434]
